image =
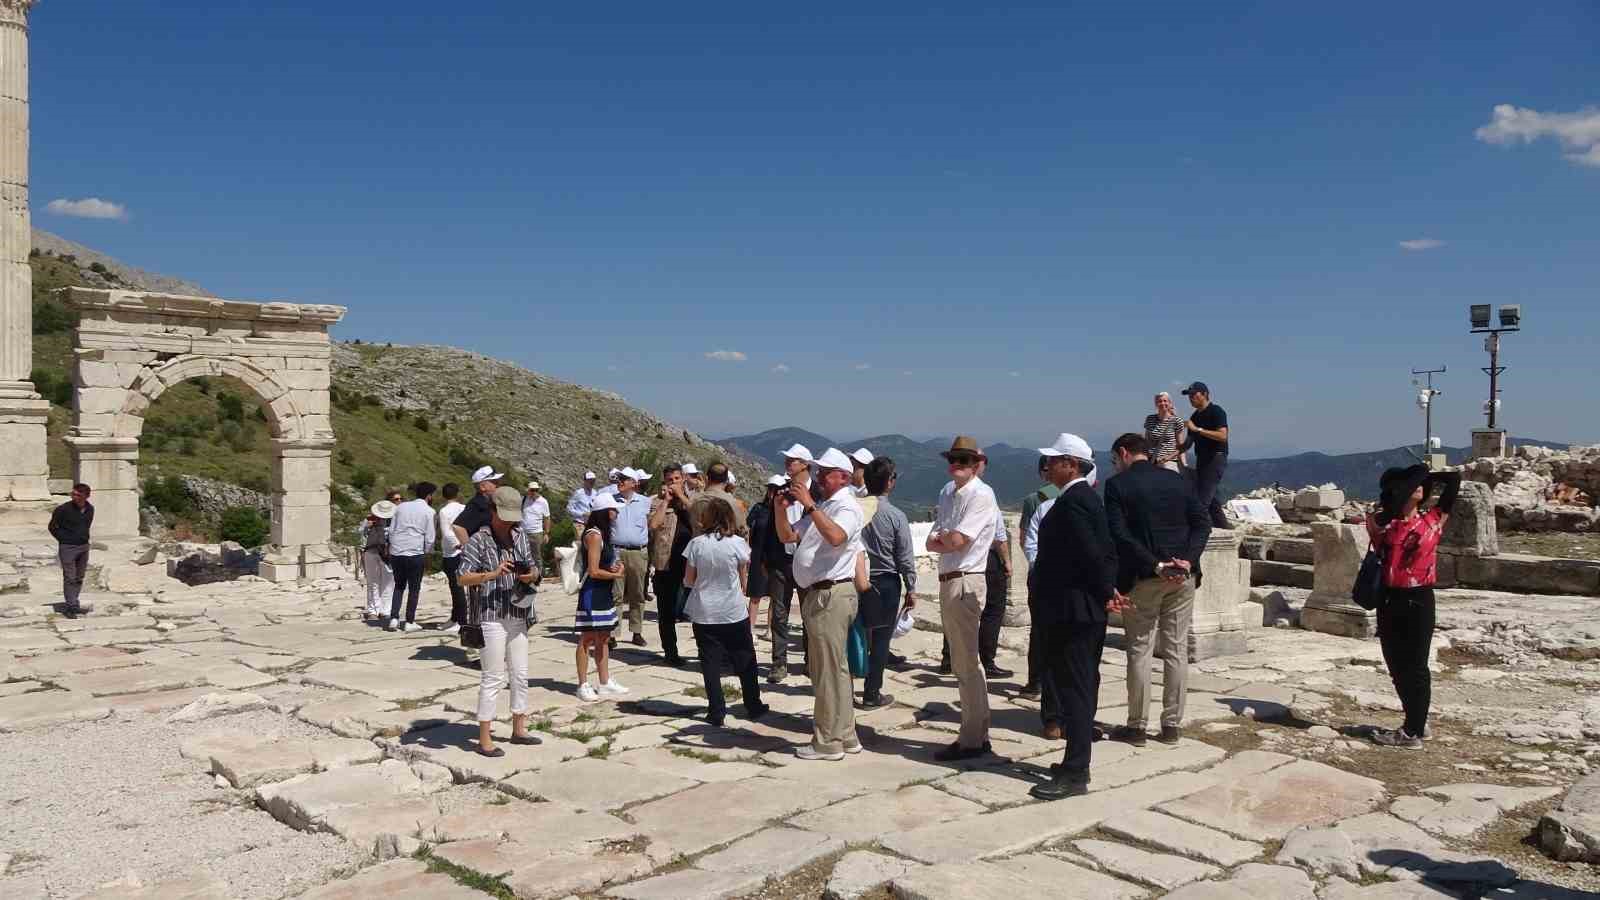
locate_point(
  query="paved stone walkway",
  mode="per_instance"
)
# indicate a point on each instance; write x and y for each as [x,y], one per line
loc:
[347,748]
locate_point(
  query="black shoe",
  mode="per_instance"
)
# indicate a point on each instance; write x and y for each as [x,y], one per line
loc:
[1031,692]
[1169,734]
[714,723]
[756,711]
[72,612]
[777,675]
[496,753]
[676,662]
[611,643]
[1127,734]
[997,672]
[955,752]
[896,659]
[638,640]
[877,702]
[1061,787]
[944,668]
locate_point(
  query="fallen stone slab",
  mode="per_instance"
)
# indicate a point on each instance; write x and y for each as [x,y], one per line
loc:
[863,818]
[1268,806]
[861,872]
[395,722]
[1153,760]
[157,701]
[387,829]
[394,685]
[304,801]
[1571,831]
[772,853]
[1173,835]
[235,677]
[44,709]
[401,879]
[971,881]
[454,746]
[689,884]
[324,713]
[1159,870]
[1254,881]
[1380,844]
[1057,877]
[282,760]
[198,887]
[595,784]
[866,771]
[220,703]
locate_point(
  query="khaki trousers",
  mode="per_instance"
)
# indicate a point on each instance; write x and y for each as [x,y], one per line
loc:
[1158,606]
[827,613]
[635,566]
[961,607]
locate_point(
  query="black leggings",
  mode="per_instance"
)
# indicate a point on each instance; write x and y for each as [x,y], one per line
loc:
[407,578]
[733,646]
[1405,629]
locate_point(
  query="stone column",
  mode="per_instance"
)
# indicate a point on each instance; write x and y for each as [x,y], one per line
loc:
[1222,603]
[302,472]
[110,466]
[24,470]
[1329,609]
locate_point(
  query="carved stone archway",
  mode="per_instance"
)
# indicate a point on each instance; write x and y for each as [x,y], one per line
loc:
[131,346]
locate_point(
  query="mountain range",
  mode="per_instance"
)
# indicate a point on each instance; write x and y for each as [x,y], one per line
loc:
[1012,470]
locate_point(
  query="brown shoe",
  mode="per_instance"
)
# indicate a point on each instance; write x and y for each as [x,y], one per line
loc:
[1052,732]
[1127,734]
[1169,734]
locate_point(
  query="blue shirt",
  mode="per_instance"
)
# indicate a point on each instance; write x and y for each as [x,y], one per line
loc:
[632,528]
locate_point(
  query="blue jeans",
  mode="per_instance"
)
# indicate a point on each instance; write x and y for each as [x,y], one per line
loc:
[878,605]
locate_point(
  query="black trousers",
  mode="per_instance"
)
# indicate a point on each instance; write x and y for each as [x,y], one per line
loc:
[1074,651]
[729,648]
[668,586]
[780,591]
[1206,479]
[1405,629]
[879,609]
[407,576]
[1039,669]
[458,595]
[997,588]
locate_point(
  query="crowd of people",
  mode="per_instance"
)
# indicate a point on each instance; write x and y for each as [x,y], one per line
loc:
[827,533]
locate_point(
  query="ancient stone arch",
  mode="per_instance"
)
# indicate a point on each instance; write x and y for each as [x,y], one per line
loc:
[131,346]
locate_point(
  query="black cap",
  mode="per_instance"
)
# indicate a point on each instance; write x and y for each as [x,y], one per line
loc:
[1199,387]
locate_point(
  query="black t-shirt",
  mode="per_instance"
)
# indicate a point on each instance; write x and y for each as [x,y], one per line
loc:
[1211,418]
[476,515]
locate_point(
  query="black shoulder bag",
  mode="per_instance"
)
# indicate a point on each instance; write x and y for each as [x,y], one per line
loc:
[1368,590]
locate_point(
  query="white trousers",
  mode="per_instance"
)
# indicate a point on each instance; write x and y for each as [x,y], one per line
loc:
[380,582]
[505,646]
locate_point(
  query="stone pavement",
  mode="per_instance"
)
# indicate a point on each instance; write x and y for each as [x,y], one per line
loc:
[348,748]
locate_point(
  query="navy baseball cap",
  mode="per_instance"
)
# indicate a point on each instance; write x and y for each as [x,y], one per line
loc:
[1199,387]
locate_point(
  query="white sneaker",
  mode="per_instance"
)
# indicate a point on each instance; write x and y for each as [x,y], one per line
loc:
[453,628]
[806,751]
[587,693]
[394,625]
[412,626]
[612,688]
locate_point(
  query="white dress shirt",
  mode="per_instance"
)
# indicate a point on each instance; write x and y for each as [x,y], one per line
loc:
[972,510]
[817,560]
[447,538]
[411,530]
[581,504]
[1001,535]
[534,512]
[631,531]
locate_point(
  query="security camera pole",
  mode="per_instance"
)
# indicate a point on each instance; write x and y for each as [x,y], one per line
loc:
[1492,441]
[1425,397]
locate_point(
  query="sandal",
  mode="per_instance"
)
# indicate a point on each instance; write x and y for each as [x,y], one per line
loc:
[525,740]
[496,753]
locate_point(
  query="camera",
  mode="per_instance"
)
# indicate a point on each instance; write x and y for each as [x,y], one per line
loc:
[521,568]
[1168,569]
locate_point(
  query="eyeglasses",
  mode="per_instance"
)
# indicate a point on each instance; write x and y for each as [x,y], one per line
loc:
[963,461]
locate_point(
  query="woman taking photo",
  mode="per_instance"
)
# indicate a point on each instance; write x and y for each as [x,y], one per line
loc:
[499,571]
[597,610]
[1407,540]
[718,570]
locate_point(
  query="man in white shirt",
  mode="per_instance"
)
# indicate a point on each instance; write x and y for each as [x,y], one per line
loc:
[582,501]
[630,535]
[860,459]
[410,540]
[827,542]
[612,477]
[963,534]
[451,548]
[535,520]
[780,579]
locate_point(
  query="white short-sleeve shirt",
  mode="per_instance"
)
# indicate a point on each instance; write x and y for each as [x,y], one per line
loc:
[534,512]
[717,598]
[814,558]
[972,511]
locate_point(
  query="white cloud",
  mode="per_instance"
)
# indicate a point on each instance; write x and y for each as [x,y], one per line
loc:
[862,367]
[780,369]
[88,208]
[1421,244]
[726,355]
[1578,132]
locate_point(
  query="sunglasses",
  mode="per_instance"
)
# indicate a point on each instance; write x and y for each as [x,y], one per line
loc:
[963,461]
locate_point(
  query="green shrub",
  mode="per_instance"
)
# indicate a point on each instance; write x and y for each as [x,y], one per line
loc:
[168,495]
[421,423]
[187,448]
[345,457]
[363,479]
[246,525]
[53,385]
[52,316]
[203,384]
[230,407]
[464,458]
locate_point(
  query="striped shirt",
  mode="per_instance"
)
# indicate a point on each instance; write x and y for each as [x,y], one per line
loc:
[1163,435]
[482,554]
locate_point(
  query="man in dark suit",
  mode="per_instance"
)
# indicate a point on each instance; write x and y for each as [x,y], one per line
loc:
[1074,585]
[1160,529]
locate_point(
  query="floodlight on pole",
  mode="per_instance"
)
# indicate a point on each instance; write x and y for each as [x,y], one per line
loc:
[1510,320]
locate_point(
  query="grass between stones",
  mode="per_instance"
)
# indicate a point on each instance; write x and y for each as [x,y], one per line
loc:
[700,755]
[494,887]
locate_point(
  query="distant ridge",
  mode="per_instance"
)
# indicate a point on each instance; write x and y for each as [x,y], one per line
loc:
[137,279]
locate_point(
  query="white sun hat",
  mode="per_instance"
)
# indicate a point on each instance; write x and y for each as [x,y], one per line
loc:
[798,451]
[1068,445]
[863,456]
[588,476]
[834,458]
[777,481]
[486,473]
[383,509]
[605,501]
[690,468]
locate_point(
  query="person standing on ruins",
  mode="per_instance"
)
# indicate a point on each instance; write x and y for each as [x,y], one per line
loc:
[1160,531]
[1166,432]
[1208,435]
[499,566]
[410,541]
[69,525]
[451,550]
[535,518]
[375,559]
[1407,540]
[631,537]
[963,536]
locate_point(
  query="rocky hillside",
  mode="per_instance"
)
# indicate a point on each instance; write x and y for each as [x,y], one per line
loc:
[121,274]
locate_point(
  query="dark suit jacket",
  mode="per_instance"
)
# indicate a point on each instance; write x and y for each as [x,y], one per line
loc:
[1154,516]
[1075,572]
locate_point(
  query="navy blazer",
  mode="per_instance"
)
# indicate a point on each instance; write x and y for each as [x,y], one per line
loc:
[1154,516]
[1075,572]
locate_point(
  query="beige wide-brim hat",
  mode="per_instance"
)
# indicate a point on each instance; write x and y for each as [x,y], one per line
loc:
[507,504]
[383,509]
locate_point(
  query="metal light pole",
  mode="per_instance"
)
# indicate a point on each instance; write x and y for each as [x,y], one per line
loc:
[1425,395]
[1491,442]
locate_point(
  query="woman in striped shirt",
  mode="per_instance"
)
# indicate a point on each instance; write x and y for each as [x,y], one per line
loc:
[1165,430]
[499,571]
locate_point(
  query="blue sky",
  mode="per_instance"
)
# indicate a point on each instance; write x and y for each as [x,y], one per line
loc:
[925,218]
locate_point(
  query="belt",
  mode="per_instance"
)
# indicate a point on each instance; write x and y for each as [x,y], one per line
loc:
[820,585]
[626,547]
[952,576]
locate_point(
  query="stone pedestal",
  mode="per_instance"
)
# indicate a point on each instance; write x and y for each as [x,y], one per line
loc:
[1222,603]
[1339,550]
[1471,530]
[110,466]
[1488,443]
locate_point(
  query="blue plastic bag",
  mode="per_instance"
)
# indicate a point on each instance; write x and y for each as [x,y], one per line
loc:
[856,648]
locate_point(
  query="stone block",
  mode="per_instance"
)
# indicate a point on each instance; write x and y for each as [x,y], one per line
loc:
[304,802]
[861,872]
[595,784]
[295,525]
[772,853]
[1058,878]
[91,400]
[1471,530]
[1571,831]
[1319,499]
[44,709]
[1339,552]
[1527,574]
